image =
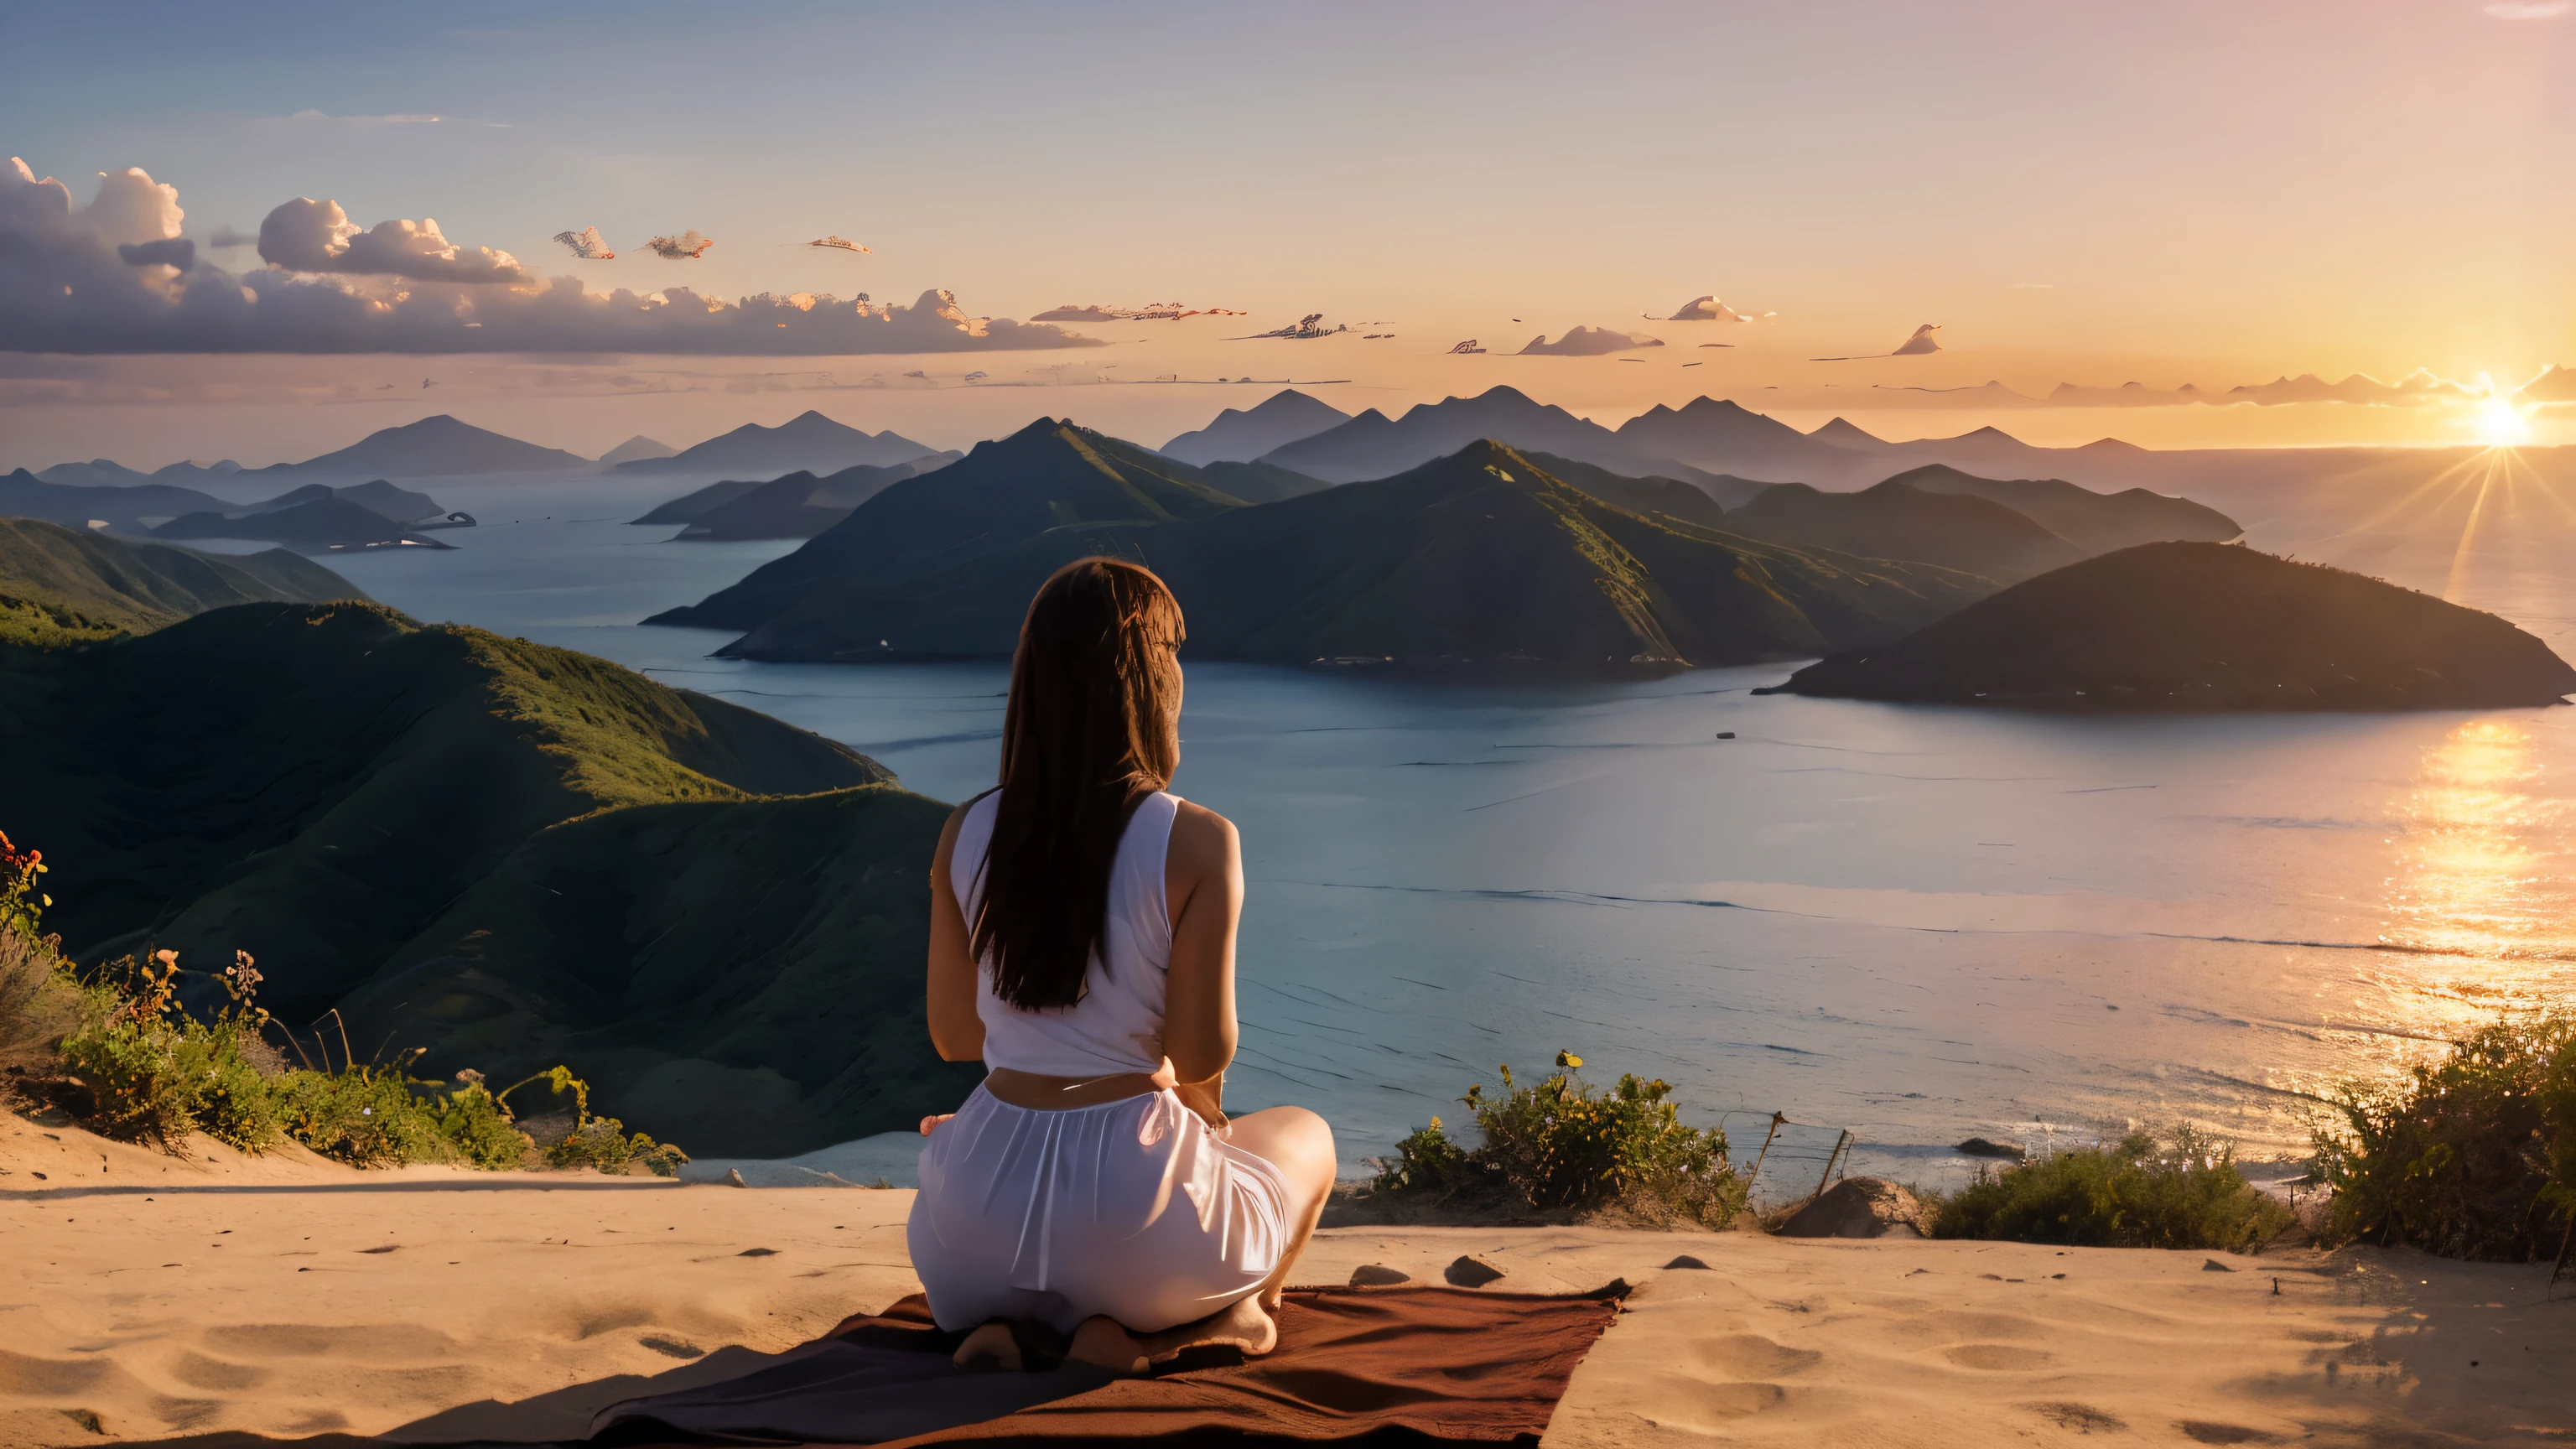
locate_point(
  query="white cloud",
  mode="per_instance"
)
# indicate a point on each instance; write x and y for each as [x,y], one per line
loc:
[1589,342]
[305,235]
[65,287]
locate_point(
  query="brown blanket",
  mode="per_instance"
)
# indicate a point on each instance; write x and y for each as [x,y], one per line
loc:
[1374,1365]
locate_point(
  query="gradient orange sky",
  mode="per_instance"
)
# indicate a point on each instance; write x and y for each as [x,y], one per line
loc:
[2204,193]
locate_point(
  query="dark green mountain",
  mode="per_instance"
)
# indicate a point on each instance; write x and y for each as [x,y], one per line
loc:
[1259,482]
[1481,558]
[61,585]
[316,523]
[1895,520]
[342,792]
[402,505]
[690,506]
[76,505]
[1047,475]
[2203,627]
[799,505]
[2093,522]
[1688,502]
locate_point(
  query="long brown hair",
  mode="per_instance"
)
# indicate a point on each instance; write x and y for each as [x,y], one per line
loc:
[1091,730]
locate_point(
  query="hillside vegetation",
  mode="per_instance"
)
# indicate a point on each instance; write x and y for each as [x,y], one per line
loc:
[2204,626]
[339,790]
[1482,557]
[61,585]
[1895,520]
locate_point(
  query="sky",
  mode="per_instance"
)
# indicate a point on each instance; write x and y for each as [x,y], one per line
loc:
[2218,195]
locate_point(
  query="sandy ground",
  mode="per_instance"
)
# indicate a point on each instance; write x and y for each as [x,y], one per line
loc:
[143,1295]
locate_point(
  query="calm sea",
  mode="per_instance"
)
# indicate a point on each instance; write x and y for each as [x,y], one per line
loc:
[1916,924]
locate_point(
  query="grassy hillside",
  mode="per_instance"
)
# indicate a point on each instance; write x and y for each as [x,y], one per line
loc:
[1687,502]
[61,585]
[1481,557]
[743,972]
[1047,475]
[2204,626]
[1895,520]
[345,793]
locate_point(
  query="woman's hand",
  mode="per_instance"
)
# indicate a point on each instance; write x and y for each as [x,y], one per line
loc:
[931,1124]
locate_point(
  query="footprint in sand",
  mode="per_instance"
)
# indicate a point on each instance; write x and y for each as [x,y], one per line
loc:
[1751,1356]
[1996,1357]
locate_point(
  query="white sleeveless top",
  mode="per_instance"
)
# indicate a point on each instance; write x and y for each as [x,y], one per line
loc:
[1117,1026]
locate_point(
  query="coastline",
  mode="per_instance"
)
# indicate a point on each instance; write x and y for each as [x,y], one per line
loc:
[288,1296]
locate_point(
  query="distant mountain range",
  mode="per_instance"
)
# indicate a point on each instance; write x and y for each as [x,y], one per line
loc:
[2203,627]
[808,442]
[363,511]
[1481,558]
[446,447]
[1897,520]
[1240,435]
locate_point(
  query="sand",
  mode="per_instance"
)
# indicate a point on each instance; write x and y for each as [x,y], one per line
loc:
[143,1295]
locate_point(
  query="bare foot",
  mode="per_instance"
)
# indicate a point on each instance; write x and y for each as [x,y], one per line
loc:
[1244,1324]
[1104,1343]
[989,1348]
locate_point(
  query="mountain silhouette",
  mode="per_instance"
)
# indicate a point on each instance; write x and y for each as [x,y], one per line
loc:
[1725,437]
[2203,627]
[799,505]
[1239,435]
[330,521]
[2094,522]
[809,442]
[121,508]
[1480,559]
[637,449]
[435,447]
[1373,445]
[1047,475]
[1897,520]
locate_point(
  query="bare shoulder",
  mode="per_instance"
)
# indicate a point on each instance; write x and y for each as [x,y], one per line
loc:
[1204,843]
[948,836]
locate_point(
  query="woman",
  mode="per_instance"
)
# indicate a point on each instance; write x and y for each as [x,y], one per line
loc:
[1082,947]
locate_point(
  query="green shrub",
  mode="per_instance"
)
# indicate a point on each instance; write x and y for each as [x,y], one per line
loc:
[2473,1156]
[2179,1191]
[598,1142]
[1562,1144]
[154,1073]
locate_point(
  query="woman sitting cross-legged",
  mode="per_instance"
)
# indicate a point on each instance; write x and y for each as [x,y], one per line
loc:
[1082,946]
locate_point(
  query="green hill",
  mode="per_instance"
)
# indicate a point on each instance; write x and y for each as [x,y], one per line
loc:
[61,585]
[1895,520]
[1047,475]
[2202,627]
[339,790]
[1481,557]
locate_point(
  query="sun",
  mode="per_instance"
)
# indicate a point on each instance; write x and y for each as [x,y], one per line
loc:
[2501,424]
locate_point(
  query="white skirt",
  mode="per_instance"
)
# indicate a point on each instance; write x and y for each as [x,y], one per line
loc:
[1133,1209]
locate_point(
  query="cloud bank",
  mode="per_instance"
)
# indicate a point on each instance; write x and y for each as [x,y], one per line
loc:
[1588,342]
[102,278]
[2358,390]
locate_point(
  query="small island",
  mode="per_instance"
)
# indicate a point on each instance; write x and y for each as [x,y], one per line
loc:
[2202,627]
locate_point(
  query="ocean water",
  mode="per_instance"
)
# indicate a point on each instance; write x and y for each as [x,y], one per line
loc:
[1910,924]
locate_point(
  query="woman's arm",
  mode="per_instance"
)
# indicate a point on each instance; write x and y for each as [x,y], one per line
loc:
[1203,880]
[955,1029]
